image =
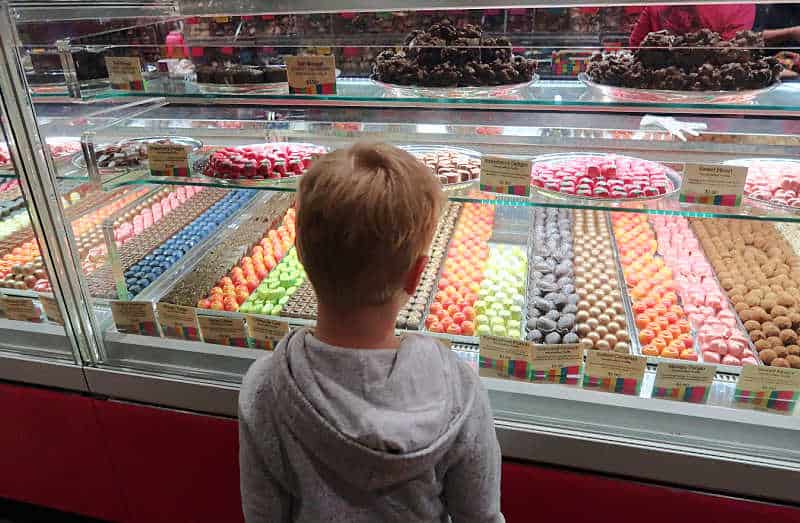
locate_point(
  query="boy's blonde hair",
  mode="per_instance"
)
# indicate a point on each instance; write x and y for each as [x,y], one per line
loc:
[364,216]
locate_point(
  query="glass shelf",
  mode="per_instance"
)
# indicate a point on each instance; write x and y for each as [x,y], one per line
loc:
[749,210]
[554,95]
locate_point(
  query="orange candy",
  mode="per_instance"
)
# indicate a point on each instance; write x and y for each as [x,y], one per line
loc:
[646,336]
[670,352]
[649,350]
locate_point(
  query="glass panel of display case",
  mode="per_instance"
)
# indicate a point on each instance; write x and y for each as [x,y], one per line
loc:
[31,317]
[581,57]
[676,292]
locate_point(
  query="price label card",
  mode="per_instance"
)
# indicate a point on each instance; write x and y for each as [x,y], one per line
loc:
[20,309]
[505,357]
[769,388]
[51,309]
[134,317]
[168,159]
[505,175]
[614,372]
[223,331]
[721,185]
[311,74]
[178,322]
[684,382]
[125,73]
[263,333]
[556,363]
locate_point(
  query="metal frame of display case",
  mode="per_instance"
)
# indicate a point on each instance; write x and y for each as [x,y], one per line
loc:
[629,436]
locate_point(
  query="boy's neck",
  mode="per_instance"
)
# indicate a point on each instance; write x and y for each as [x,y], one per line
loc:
[363,328]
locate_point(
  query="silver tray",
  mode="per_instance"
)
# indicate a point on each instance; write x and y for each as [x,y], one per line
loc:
[629,94]
[672,176]
[748,162]
[503,92]
[288,179]
[79,161]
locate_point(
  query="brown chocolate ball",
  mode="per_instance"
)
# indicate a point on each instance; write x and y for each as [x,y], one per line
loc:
[752,325]
[774,342]
[780,362]
[767,355]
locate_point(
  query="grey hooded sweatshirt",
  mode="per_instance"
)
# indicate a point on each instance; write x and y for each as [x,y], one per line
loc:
[330,434]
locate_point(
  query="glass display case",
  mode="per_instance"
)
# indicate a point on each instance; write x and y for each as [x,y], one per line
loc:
[655,232]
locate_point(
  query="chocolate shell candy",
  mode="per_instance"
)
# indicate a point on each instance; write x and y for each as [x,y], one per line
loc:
[546,324]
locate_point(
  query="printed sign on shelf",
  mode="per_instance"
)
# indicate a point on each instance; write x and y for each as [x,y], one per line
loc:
[688,382]
[721,185]
[504,357]
[505,175]
[556,363]
[134,317]
[223,331]
[264,333]
[20,309]
[178,322]
[769,388]
[614,372]
[51,309]
[311,74]
[168,159]
[125,73]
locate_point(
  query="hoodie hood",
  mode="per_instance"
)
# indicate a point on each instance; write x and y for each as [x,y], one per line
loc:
[393,412]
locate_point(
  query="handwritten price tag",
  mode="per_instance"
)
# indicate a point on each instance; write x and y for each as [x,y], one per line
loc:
[125,73]
[223,331]
[505,357]
[311,74]
[505,175]
[168,159]
[20,309]
[556,363]
[769,388]
[178,322]
[264,333]
[134,317]
[721,185]
[614,372]
[684,382]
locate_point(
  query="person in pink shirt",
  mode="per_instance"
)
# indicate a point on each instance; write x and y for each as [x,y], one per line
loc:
[725,19]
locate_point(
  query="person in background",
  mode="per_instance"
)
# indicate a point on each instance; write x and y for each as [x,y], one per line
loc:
[725,19]
[780,25]
[347,422]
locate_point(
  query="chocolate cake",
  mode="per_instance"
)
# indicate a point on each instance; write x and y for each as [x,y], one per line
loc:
[699,61]
[450,56]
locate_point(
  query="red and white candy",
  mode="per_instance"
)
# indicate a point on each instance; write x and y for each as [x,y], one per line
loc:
[603,176]
[261,162]
[774,182]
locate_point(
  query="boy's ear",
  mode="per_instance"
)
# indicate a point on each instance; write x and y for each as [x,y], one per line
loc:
[415,275]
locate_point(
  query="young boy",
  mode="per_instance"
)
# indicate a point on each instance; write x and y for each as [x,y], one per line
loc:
[346,422]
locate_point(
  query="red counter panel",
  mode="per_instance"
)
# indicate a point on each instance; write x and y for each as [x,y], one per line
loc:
[133,463]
